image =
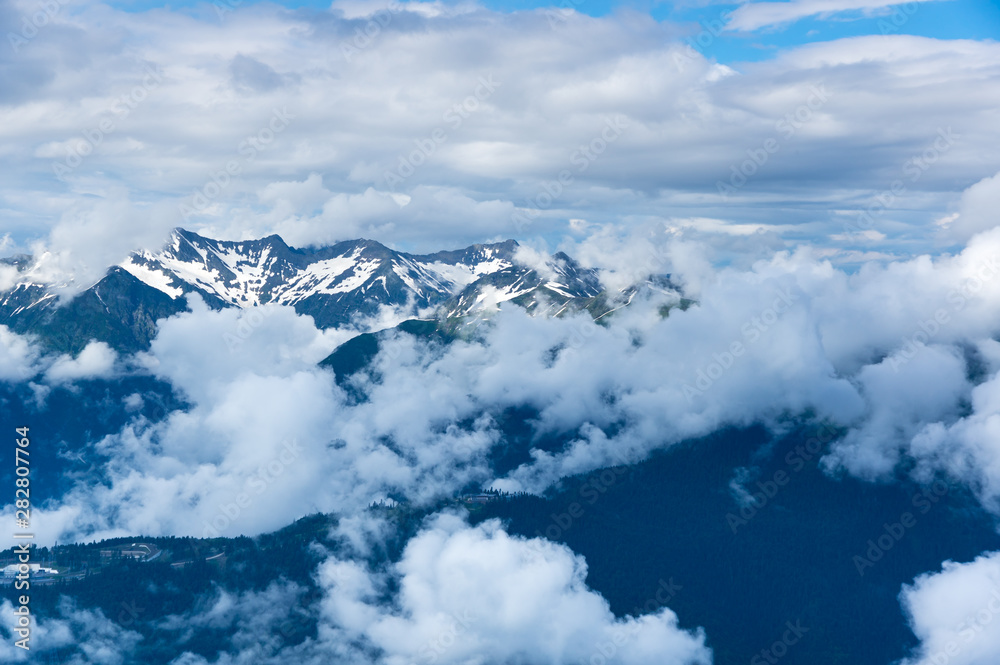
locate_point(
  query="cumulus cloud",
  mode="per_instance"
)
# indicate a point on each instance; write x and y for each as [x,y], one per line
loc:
[18,356]
[479,593]
[76,636]
[457,594]
[270,434]
[22,358]
[955,612]
[435,132]
[966,448]
[900,402]
[270,340]
[96,360]
[977,209]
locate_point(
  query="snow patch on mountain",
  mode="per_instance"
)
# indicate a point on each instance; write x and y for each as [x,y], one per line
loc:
[251,273]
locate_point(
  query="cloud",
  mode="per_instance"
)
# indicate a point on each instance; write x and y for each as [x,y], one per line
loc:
[271,340]
[965,448]
[252,621]
[955,612]
[476,592]
[270,435]
[353,120]
[96,360]
[977,209]
[456,594]
[902,398]
[756,15]
[253,75]
[9,276]
[18,356]
[93,235]
[77,636]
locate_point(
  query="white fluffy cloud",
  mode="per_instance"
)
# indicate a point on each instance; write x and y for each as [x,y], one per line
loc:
[479,594]
[96,360]
[18,356]
[90,637]
[203,351]
[458,594]
[955,613]
[967,448]
[270,435]
[900,402]
[978,209]
[23,358]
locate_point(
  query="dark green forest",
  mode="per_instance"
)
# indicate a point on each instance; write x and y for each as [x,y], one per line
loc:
[741,572]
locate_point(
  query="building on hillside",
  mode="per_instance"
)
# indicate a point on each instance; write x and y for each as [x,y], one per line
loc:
[478,498]
[10,572]
[138,551]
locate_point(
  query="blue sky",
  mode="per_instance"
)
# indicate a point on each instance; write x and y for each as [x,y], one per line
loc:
[947,19]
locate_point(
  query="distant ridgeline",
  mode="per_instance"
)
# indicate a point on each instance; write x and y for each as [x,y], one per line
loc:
[336,285]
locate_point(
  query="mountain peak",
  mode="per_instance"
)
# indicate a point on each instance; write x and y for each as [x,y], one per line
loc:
[19,261]
[334,283]
[352,283]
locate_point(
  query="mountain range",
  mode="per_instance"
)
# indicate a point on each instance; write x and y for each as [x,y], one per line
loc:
[347,283]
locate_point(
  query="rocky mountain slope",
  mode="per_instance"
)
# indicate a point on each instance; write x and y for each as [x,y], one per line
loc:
[348,283]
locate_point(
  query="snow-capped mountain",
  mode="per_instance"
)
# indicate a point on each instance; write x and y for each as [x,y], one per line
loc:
[335,284]
[350,282]
[549,289]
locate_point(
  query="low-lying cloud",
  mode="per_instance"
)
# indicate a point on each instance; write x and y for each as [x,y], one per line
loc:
[895,353]
[955,612]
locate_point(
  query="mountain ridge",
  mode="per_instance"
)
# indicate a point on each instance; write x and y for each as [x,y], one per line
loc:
[347,283]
